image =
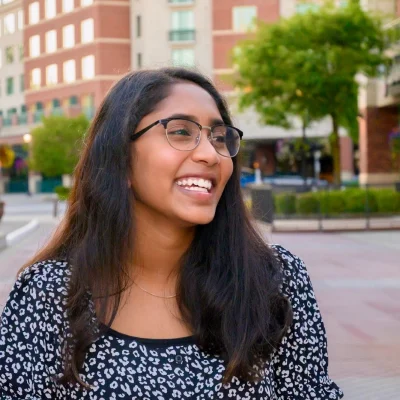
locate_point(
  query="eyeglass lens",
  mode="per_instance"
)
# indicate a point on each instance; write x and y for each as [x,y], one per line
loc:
[185,135]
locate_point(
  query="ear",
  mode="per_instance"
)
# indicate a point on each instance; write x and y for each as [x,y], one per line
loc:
[129,183]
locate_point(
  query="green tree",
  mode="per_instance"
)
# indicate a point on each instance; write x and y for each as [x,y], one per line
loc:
[56,144]
[7,157]
[306,67]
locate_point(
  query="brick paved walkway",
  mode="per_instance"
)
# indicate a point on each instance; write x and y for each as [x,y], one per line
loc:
[356,277]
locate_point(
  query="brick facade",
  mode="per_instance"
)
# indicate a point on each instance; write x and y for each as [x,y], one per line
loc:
[375,159]
[224,37]
[110,47]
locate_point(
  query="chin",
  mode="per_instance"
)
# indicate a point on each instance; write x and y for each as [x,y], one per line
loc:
[192,220]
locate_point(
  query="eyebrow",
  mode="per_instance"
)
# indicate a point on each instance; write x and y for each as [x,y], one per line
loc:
[214,121]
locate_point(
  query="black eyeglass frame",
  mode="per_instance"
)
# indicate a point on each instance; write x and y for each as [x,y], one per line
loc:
[164,122]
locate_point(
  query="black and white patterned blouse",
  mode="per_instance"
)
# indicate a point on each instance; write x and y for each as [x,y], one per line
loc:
[117,366]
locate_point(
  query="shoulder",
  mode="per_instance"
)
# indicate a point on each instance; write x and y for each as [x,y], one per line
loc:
[41,286]
[296,283]
[32,328]
[48,273]
[294,271]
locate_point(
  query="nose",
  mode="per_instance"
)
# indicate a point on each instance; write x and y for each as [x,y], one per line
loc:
[205,151]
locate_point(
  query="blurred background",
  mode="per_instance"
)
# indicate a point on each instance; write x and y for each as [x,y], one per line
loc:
[314,85]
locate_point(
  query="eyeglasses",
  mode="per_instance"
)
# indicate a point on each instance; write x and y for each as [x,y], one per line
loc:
[185,135]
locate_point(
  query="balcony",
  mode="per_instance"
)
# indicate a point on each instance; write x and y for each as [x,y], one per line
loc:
[181,2]
[18,124]
[392,82]
[182,35]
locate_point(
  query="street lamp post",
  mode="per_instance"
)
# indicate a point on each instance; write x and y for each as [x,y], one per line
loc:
[27,140]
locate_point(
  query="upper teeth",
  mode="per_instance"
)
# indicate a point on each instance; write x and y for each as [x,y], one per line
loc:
[205,183]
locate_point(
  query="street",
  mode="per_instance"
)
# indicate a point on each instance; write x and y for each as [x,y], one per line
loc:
[356,277]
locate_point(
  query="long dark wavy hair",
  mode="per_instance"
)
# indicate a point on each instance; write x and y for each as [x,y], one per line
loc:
[229,281]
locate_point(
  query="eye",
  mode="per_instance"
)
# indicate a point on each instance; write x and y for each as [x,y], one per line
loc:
[220,139]
[179,132]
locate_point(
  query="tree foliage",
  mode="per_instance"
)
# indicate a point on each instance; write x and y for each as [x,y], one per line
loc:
[7,156]
[306,67]
[57,143]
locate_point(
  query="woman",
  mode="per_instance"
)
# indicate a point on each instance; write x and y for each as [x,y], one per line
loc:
[156,285]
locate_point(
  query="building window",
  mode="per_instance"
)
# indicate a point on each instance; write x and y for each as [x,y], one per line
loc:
[21,52]
[34,46]
[68,36]
[68,5]
[87,31]
[138,26]
[85,3]
[69,71]
[183,57]
[139,60]
[22,82]
[34,14]
[51,75]
[88,67]
[182,20]
[9,24]
[9,55]
[20,20]
[51,41]
[303,8]
[50,9]
[10,86]
[243,18]
[36,78]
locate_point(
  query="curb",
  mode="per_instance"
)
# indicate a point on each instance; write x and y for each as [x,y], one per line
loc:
[314,228]
[19,233]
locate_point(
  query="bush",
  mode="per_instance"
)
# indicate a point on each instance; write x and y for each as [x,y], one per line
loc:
[285,203]
[62,192]
[332,202]
[388,200]
[307,203]
[356,200]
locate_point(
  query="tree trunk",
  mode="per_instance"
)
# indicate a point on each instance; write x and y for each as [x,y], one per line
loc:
[335,143]
[303,155]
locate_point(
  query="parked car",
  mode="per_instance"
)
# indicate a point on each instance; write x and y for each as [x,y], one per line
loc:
[294,180]
[246,176]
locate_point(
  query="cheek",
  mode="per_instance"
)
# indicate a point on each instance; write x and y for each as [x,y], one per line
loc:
[226,170]
[154,171]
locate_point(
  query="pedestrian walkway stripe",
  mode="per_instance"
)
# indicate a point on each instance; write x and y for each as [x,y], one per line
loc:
[21,232]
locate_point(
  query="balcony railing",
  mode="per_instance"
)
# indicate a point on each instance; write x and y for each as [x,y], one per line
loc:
[181,2]
[392,33]
[182,35]
[29,118]
[392,38]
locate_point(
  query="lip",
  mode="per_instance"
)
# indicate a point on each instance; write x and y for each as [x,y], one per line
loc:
[201,196]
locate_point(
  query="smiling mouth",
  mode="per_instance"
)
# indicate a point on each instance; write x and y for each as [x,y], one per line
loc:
[196,185]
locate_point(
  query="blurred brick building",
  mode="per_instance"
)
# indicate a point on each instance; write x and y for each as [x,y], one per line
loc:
[62,56]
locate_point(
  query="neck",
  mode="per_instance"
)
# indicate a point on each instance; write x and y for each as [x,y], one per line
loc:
[159,246]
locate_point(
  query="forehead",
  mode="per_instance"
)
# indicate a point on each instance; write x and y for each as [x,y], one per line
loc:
[190,99]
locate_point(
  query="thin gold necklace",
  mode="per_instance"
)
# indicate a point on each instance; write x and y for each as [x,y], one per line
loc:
[152,294]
